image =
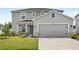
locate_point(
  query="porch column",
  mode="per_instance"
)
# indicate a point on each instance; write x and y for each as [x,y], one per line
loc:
[26,28]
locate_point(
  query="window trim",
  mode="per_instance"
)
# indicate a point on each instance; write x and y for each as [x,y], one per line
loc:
[32,14]
[41,13]
[23,14]
[53,15]
[23,29]
[23,17]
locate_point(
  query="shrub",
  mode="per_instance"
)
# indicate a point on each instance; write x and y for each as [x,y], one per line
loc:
[3,36]
[35,36]
[23,34]
[13,34]
[77,37]
[73,36]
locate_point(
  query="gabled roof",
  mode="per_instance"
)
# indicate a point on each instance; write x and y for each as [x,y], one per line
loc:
[38,9]
[55,12]
[77,15]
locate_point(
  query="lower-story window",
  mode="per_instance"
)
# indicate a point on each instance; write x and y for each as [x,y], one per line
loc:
[74,27]
[23,29]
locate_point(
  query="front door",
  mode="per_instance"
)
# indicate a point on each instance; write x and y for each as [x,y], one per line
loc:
[30,29]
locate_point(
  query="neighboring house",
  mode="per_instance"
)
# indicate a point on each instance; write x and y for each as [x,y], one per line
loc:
[77,23]
[42,22]
[1,27]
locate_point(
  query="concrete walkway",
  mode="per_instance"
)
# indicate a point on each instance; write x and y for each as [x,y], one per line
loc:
[58,44]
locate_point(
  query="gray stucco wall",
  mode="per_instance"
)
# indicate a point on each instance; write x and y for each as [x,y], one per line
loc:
[17,17]
[77,24]
[15,21]
[28,13]
[59,18]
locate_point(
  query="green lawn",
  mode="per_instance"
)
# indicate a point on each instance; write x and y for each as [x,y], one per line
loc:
[19,43]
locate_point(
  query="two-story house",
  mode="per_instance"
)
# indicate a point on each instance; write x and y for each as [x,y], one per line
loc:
[42,22]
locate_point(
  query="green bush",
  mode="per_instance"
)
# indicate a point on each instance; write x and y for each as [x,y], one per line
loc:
[23,34]
[35,36]
[13,34]
[77,37]
[73,36]
[3,36]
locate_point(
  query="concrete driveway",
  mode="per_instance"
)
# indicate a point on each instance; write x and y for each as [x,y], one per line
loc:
[58,44]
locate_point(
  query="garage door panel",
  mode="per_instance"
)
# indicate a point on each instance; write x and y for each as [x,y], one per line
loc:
[53,30]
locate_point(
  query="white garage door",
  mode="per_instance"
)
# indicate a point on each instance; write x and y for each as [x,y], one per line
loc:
[53,30]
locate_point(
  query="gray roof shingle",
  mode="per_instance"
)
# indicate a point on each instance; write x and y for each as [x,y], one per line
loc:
[38,9]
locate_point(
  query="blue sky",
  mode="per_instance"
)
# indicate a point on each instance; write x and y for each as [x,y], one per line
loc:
[70,11]
[5,13]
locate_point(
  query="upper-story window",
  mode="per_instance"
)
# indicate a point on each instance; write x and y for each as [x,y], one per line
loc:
[23,15]
[33,14]
[42,13]
[53,15]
